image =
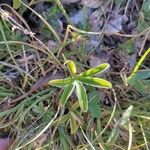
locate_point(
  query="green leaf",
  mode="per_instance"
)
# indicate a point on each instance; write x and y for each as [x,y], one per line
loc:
[146,9]
[114,134]
[135,79]
[121,122]
[140,81]
[71,66]
[66,94]
[94,104]
[16,4]
[63,138]
[144,16]
[139,86]
[141,75]
[73,124]
[126,116]
[61,82]
[96,82]
[96,70]
[82,96]
[61,120]
[139,63]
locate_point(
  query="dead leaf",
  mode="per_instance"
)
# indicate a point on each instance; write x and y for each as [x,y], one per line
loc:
[92,3]
[115,24]
[95,21]
[93,43]
[95,61]
[78,17]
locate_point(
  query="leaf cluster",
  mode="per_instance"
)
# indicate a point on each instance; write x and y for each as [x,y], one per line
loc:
[76,82]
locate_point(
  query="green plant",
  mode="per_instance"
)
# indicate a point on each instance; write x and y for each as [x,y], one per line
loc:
[144,16]
[76,82]
[139,79]
[16,4]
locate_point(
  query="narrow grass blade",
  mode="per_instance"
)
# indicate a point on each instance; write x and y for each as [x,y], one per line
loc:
[26,103]
[89,142]
[82,96]
[7,45]
[61,82]
[144,136]
[66,94]
[40,132]
[63,139]
[63,10]
[130,136]
[99,69]
[138,65]
[96,82]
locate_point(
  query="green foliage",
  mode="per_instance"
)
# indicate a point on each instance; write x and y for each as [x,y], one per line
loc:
[128,46]
[16,4]
[29,116]
[51,15]
[66,94]
[120,2]
[120,123]
[82,97]
[96,82]
[94,71]
[94,104]
[144,19]
[137,77]
[72,67]
[5,92]
[73,123]
[62,82]
[140,81]
[73,117]
[63,139]
[77,81]
[139,64]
